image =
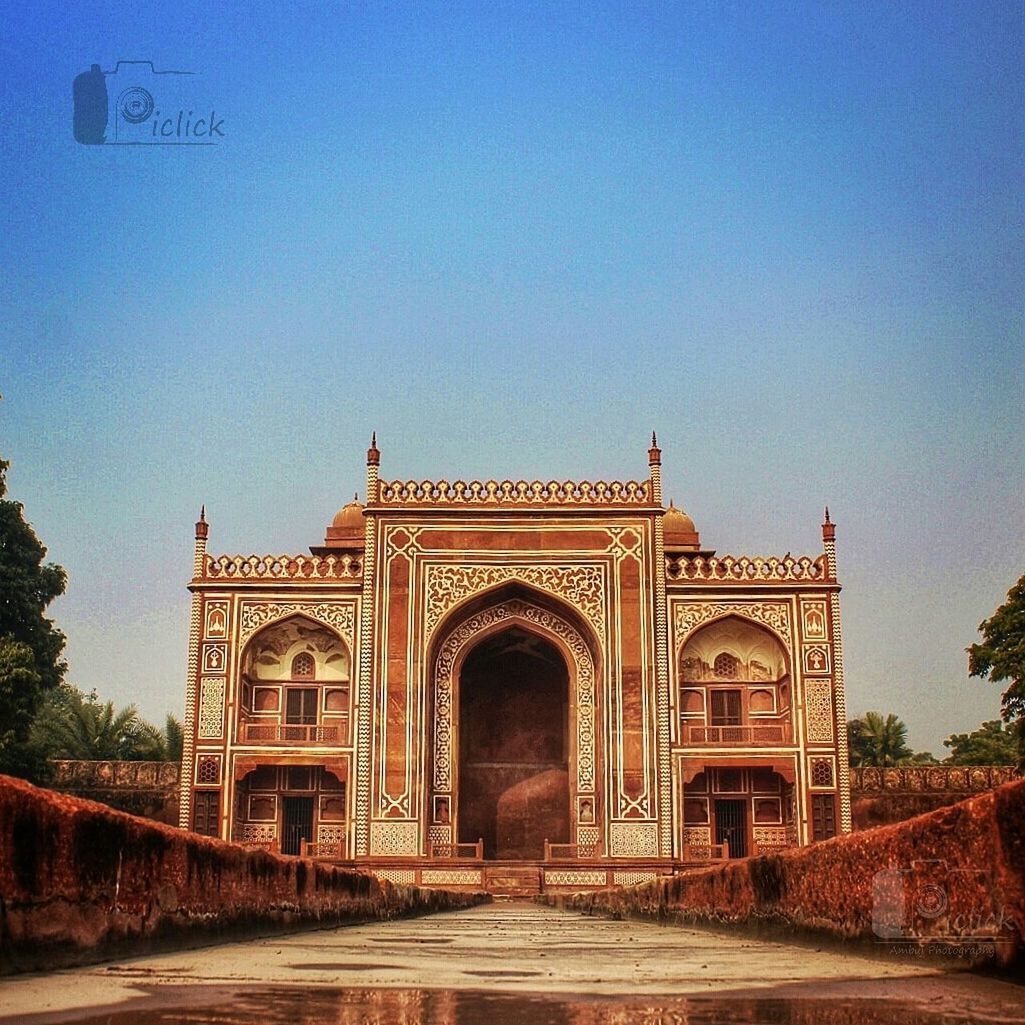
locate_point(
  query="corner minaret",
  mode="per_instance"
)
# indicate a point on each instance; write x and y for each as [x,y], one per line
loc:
[192,680]
[839,684]
[655,468]
[829,545]
[362,706]
[665,705]
[373,463]
[199,555]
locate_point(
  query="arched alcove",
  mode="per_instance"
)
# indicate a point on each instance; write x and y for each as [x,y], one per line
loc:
[514,745]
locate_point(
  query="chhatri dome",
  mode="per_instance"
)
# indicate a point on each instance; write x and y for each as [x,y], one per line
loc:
[348,527]
[679,530]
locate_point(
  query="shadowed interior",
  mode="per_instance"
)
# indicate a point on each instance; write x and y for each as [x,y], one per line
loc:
[513,748]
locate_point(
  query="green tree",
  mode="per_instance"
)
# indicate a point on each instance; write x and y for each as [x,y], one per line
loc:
[30,645]
[992,743]
[1001,658]
[79,726]
[875,740]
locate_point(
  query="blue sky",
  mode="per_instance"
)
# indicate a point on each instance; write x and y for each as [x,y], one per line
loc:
[514,239]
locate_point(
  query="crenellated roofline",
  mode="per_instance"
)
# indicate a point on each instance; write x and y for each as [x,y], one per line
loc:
[745,569]
[493,493]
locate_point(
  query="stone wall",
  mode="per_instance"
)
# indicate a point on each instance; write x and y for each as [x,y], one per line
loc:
[147,789]
[950,882]
[81,882]
[880,797]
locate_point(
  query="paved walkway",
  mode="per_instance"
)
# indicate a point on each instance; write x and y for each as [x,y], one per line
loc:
[419,970]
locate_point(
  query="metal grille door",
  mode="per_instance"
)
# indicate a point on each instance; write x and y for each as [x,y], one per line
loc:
[731,826]
[297,824]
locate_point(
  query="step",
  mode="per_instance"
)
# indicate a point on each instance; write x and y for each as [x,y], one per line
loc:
[509,881]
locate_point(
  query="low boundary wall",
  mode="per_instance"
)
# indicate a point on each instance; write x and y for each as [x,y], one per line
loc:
[949,882]
[80,882]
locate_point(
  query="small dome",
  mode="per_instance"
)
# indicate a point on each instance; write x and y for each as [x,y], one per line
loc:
[676,521]
[678,530]
[348,528]
[349,517]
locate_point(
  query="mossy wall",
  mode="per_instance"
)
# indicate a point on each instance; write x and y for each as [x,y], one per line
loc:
[80,882]
[948,882]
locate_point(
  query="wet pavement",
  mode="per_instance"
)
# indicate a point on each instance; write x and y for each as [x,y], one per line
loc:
[505,964]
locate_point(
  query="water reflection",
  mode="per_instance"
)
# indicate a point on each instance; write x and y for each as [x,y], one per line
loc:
[322,1006]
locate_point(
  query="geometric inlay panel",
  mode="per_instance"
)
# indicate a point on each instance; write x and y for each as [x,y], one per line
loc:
[632,878]
[569,877]
[393,838]
[450,877]
[211,708]
[633,840]
[818,703]
[398,876]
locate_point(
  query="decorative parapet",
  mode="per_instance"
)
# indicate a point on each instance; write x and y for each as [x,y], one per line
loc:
[509,492]
[745,569]
[81,775]
[283,567]
[930,779]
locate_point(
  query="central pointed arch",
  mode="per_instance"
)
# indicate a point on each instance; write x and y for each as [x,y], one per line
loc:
[467,647]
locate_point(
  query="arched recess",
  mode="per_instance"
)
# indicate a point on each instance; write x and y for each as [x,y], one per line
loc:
[291,786]
[735,683]
[295,684]
[506,619]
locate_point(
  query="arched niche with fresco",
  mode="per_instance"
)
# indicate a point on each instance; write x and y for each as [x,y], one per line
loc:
[735,685]
[296,686]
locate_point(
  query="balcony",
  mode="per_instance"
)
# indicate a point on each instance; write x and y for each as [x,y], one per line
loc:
[736,736]
[287,733]
[466,851]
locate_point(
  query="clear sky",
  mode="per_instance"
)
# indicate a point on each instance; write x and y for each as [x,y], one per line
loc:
[514,239]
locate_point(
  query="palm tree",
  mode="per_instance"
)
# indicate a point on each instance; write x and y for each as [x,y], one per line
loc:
[78,726]
[874,740]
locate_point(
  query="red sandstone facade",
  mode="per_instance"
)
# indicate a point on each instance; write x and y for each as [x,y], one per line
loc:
[555,675]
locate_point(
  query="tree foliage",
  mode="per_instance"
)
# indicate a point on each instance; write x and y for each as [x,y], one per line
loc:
[992,743]
[877,740]
[31,647]
[1001,658]
[79,726]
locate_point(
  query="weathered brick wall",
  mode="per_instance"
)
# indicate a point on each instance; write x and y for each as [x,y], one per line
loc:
[954,878]
[80,881]
[146,789]
[882,796]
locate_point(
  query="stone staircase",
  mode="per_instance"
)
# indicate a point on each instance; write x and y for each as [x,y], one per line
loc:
[512,880]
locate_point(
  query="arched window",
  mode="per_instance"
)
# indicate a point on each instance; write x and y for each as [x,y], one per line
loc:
[726,666]
[303,666]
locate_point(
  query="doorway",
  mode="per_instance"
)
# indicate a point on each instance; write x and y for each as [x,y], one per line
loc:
[513,784]
[731,826]
[296,824]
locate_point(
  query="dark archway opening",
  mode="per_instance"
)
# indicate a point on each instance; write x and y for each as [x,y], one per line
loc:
[513,746]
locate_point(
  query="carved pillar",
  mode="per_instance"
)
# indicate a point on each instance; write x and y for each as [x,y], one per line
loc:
[363,713]
[664,701]
[839,699]
[195,626]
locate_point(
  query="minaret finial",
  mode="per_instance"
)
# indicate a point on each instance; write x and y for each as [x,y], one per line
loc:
[202,527]
[654,453]
[828,528]
[373,455]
